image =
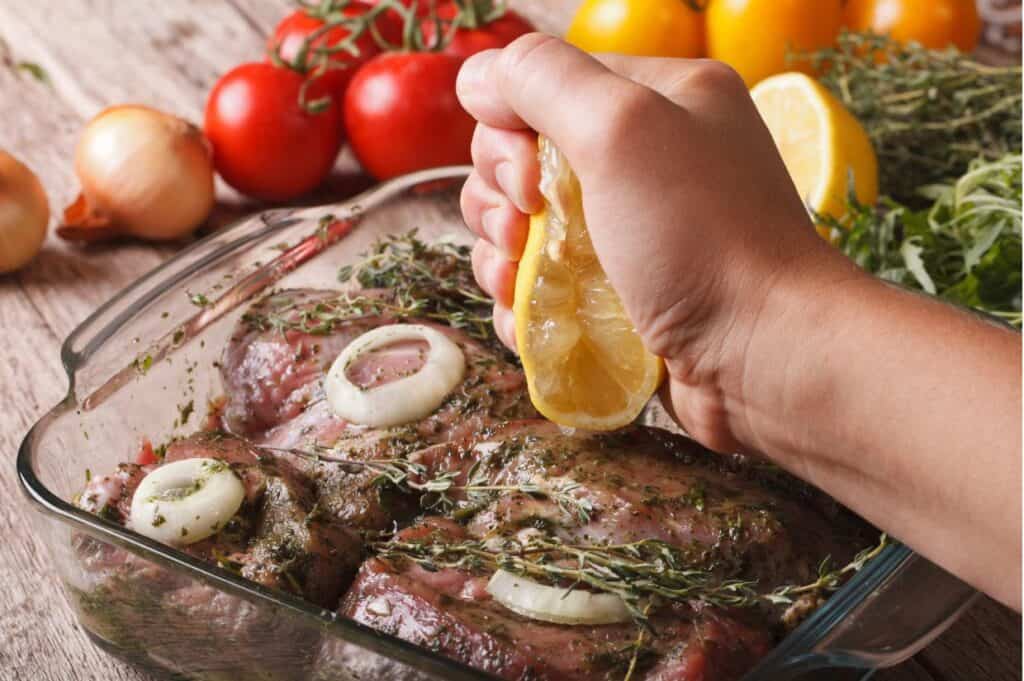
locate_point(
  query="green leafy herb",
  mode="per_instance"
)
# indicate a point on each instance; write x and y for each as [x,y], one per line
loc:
[185,412]
[198,299]
[143,364]
[929,113]
[21,66]
[965,248]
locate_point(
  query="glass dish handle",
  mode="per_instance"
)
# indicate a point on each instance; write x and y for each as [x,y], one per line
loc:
[88,335]
[883,631]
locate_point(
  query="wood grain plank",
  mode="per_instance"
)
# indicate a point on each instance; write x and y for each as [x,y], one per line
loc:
[38,635]
[911,670]
[106,52]
[984,644]
[103,52]
[65,282]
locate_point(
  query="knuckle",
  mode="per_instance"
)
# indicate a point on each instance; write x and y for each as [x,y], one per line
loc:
[470,203]
[522,52]
[466,204]
[631,109]
[478,146]
[717,76]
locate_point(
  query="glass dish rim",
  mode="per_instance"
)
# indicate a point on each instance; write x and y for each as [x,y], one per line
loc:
[128,302]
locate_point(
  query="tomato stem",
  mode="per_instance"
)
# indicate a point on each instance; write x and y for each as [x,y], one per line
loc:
[314,61]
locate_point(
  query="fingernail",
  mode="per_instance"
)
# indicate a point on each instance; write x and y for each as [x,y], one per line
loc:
[473,72]
[505,175]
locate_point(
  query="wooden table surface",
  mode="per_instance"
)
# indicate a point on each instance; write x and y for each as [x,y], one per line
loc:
[97,53]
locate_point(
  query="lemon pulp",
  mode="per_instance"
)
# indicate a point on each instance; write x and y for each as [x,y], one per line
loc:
[585,364]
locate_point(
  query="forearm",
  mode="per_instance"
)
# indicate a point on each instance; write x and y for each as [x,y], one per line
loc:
[907,411]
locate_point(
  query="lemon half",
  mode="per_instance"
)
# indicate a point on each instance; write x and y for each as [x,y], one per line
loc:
[586,366]
[823,146]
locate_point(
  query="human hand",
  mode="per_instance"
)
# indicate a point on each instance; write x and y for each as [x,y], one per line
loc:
[690,208]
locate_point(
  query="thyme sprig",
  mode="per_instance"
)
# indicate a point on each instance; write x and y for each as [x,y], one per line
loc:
[637,572]
[829,578]
[434,281]
[436,491]
[929,113]
[407,278]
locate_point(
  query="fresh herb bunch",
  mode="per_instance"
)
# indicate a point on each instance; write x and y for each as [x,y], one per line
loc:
[964,248]
[929,113]
[432,281]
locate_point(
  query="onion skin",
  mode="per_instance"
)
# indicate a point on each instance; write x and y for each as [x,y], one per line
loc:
[24,214]
[144,173]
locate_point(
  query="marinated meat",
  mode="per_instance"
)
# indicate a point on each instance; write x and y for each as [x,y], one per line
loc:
[536,489]
[449,611]
[278,537]
[275,539]
[275,362]
[273,371]
[293,546]
[281,348]
[110,496]
[641,483]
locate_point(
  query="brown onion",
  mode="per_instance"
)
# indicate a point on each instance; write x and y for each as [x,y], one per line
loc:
[144,173]
[24,214]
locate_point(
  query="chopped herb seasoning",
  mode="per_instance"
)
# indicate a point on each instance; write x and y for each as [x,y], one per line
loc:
[185,412]
[198,299]
[143,364]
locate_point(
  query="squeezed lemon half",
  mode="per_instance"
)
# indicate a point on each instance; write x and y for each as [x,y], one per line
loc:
[585,364]
[823,146]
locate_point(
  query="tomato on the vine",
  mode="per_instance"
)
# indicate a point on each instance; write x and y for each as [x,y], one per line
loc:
[474,33]
[402,114]
[292,33]
[265,144]
[647,28]
[936,24]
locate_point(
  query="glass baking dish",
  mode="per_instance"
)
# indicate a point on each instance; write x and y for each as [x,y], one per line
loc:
[152,348]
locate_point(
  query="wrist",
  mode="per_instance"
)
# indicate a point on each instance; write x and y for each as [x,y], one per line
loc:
[802,331]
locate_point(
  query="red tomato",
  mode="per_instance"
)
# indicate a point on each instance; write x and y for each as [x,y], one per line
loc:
[264,144]
[402,115]
[293,30]
[469,40]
